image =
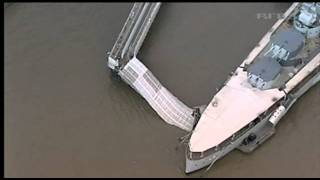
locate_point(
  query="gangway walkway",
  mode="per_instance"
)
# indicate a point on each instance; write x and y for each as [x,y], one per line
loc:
[123,61]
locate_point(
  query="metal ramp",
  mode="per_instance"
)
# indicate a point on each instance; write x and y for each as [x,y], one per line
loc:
[169,108]
[123,62]
[132,34]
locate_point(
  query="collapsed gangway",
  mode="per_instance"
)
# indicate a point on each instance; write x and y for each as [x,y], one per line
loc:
[123,62]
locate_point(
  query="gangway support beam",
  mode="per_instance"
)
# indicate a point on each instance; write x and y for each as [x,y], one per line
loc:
[132,35]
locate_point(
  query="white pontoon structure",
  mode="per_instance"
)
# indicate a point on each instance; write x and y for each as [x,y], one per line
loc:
[245,111]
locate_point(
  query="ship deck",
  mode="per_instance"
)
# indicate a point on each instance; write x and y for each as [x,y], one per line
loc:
[238,103]
[233,107]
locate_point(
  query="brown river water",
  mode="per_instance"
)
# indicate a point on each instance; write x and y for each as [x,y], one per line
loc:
[65,116]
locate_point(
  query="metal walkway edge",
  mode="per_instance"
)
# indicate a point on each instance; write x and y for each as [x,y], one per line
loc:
[123,62]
